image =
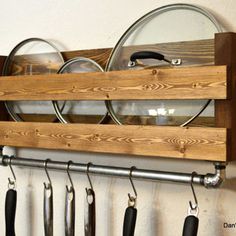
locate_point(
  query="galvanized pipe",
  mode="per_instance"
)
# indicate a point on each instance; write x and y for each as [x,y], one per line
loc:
[208,180]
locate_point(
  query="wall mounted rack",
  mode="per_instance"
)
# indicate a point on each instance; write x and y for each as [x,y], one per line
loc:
[199,143]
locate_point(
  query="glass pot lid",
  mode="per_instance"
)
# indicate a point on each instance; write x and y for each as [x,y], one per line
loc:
[80,111]
[184,35]
[33,56]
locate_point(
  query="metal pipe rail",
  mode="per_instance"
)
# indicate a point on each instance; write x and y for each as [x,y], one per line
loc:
[208,180]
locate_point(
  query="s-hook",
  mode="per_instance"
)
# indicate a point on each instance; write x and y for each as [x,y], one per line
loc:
[132,200]
[191,221]
[10,203]
[131,211]
[11,183]
[48,203]
[90,208]
[70,205]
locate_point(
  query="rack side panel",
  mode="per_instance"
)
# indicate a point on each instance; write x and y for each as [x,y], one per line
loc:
[225,110]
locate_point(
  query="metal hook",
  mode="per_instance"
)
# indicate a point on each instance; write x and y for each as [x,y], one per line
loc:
[71,182]
[87,172]
[132,200]
[47,186]
[195,206]
[11,182]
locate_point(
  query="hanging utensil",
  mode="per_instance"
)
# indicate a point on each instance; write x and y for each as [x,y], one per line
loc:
[191,221]
[10,204]
[131,211]
[90,209]
[48,204]
[70,206]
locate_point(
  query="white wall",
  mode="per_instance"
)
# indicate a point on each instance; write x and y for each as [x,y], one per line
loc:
[161,206]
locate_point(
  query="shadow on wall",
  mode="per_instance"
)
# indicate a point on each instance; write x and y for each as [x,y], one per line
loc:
[156,223]
[230,183]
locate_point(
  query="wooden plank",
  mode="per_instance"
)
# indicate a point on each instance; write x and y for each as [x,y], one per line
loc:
[225,110]
[2,60]
[192,53]
[100,55]
[3,112]
[176,142]
[198,52]
[201,121]
[208,82]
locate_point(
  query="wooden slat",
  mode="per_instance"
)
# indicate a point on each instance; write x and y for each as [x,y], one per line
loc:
[2,60]
[208,82]
[3,112]
[192,53]
[176,142]
[200,121]
[100,55]
[197,52]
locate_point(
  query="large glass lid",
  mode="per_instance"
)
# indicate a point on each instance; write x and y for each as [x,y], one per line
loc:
[33,56]
[179,31]
[80,111]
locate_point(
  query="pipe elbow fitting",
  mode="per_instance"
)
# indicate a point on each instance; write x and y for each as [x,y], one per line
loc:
[215,180]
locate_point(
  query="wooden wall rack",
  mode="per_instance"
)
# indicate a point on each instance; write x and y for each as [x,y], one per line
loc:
[205,82]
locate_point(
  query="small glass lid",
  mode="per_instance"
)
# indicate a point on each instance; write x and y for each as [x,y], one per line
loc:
[179,31]
[33,56]
[80,111]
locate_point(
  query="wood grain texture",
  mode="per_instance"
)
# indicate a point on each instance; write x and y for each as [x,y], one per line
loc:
[191,53]
[176,142]
[208,82]
[100,55]
[198,52]
[225,110]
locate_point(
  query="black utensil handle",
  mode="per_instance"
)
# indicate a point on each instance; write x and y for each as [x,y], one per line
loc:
[129,221]
[10,212]
[190,226]
[146,55]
